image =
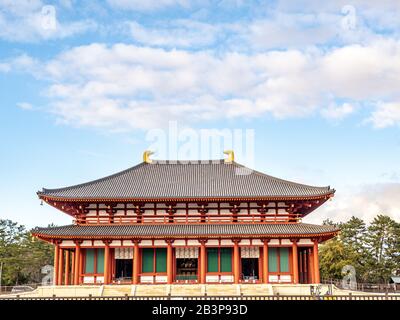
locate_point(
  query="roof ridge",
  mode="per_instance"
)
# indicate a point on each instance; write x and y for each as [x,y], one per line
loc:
[280,179]
[186,179]
[44,190]
[174,162]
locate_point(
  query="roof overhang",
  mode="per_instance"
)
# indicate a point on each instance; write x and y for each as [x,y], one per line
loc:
[185,231]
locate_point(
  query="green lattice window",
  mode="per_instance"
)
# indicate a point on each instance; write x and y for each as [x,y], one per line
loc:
[212,260]
[278,260]
[94,261]
[100,260]
[219,260]
[284,259]
[161,260]
[154,260]
[226,259]
[89,261]
[273,260]
[147,260]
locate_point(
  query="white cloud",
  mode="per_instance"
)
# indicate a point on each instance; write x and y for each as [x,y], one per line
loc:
[291,30]
[125,83]
[386,115]
[148,5]
[338,112]
[5,67]
[365,201]
[176,33]
[363,72]
[24,106]
[32,20]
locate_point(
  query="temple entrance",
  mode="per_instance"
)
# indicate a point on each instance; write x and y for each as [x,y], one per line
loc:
[249,269]
[123,264]
[123,269]
[304,265]
[186,269]
[186,263]
[249,263]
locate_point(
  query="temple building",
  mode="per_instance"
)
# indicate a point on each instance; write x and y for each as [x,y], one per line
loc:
[186,222]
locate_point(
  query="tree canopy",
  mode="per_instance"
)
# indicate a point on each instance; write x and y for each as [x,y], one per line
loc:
[373,250]
[21,256]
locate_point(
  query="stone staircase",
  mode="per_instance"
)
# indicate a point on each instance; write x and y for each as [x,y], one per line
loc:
[116,290]
[223,289]
[256,289]
[182,290]
[174,290]
[152,290]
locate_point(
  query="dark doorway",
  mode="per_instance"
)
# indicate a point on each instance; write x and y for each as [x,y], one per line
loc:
[304,265]
[249,269]
[186,269]
[123,269]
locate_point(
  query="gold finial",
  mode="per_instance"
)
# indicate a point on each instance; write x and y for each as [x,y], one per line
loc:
[146,156]
[231,156]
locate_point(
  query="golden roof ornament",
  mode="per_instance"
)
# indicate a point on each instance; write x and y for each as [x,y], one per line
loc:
[231,156]
[146,156]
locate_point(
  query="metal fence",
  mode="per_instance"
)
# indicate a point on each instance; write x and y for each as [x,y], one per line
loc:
[366,287]
[242,297]
[19,288]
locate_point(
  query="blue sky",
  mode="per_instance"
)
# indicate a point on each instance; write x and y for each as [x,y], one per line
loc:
[84,83]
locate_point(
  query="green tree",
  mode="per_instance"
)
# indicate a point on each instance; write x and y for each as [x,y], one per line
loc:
[383,239]
[374,250]
[333,256]
[21,257]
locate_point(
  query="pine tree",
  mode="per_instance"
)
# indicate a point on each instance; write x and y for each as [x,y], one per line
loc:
[383,247]
[21,257]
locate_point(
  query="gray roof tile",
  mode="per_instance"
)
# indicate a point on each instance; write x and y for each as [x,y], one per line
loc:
[182,230]
[186,180]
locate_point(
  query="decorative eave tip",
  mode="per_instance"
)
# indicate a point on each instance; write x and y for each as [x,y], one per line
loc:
[231,156]
[146,156]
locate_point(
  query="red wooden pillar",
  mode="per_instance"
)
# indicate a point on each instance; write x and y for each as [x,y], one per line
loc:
[265,261]
[295,263]
[311,265]
[60,266]
[76,267]
[56,261]
[112,265]
[236,261]
[316,263]
[135,273]
[107,263]
[170,265]
[80,266]
[202,261]
[72,267]
[67,262]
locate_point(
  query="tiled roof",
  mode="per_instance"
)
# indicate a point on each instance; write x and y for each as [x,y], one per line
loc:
[182,230]
[187,180]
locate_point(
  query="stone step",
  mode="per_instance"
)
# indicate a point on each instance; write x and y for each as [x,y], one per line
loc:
[187,290]
[116,290]
[152,290]
[255,289]
[223,290]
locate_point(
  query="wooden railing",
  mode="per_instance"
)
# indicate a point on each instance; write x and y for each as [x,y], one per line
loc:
[192,218]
